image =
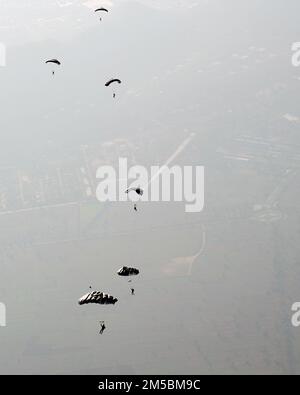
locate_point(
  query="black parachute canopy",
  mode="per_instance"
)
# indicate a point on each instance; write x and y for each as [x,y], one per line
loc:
[128,271]
[101,9]
[112,81]
[97,297]
[138,190]
[55,61]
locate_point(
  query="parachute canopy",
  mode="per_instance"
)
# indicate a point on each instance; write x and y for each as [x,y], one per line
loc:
[112,81]
[55,61]
[97,297]
[138,190]
[128,271]
[101,9]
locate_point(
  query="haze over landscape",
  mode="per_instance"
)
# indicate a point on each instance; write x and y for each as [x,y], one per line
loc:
[215,289]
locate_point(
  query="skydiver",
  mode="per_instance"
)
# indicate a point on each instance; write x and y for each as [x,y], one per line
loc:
[114,95]
[102,328]
[135,207]
[132,291]
[53,72]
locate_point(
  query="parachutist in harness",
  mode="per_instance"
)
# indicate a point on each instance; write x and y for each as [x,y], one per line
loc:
[132,291]
[112,81]
[135,207]
[53,61]
[102,329]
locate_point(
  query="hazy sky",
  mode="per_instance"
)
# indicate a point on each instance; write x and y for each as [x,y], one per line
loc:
[216,287]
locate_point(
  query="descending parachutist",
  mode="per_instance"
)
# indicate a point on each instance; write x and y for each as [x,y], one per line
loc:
[132,291]
[112,81]
[53,61]
[102,329]
[135,207]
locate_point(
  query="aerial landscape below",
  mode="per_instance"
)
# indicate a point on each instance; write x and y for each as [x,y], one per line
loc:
[149,180]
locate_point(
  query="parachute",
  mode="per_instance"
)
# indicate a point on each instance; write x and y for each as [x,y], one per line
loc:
[97,297]
[128,271]
[55,61]
[112,81]
[138,190]
[101,9]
